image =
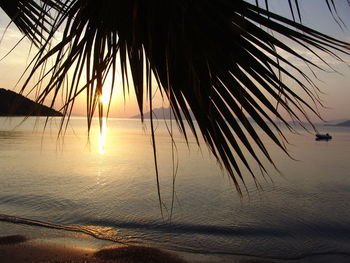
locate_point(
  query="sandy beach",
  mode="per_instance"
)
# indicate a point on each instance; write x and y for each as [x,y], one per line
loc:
[18,249]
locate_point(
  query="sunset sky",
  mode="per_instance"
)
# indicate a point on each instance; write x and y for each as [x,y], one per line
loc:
[315,14]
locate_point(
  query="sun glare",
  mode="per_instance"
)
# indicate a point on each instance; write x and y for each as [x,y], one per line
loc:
[104,98]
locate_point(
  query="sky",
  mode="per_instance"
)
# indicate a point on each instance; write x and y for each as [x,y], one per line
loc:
[335,86]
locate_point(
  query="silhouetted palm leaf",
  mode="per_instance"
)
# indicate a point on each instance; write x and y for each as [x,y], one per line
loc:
[220,59]
[32,17]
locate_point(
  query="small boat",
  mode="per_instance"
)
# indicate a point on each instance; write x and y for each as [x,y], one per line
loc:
[325,137]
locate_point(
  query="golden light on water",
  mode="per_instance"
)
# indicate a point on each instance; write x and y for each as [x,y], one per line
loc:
[105,98]
[102,136]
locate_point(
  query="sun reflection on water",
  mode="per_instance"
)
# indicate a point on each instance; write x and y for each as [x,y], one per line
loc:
[102,137]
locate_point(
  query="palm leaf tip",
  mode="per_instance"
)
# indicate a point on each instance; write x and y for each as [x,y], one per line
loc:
[211,57]
[33,18]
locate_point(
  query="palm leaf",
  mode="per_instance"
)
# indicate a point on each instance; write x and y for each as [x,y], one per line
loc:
[33,18]
[213,58]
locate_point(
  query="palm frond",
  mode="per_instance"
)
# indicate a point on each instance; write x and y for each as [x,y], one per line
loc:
[33,18]
[213,58]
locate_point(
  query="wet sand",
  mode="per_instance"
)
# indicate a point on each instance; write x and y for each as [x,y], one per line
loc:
[18,249]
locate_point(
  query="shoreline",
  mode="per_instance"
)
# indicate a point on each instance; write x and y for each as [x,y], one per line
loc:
[20,249]
[22,243]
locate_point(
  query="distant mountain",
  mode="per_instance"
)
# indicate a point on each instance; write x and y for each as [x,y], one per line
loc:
[160,113]
[342,124]
[164,114]
[336,121]
[14,104]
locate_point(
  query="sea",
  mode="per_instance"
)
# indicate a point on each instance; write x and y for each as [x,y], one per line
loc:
[99,188]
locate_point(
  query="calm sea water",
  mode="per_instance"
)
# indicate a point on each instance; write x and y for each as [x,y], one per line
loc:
[105,186]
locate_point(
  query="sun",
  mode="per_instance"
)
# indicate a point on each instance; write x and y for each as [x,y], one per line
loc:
[105,97]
